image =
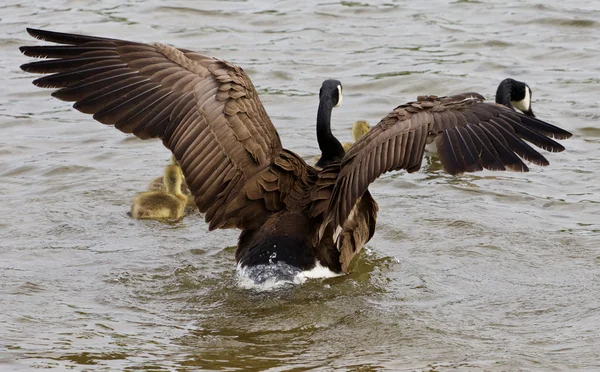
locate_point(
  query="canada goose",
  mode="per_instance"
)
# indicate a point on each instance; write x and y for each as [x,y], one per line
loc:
[515,95]
[359,129]
[208,113]
[162,204]
[511,93]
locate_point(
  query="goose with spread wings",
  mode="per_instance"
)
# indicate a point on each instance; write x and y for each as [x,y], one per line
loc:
[208,113]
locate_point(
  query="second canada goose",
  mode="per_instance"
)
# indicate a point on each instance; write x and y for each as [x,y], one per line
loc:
[208,113]
[511,93]
[515,95]
[359,129]
[168,204]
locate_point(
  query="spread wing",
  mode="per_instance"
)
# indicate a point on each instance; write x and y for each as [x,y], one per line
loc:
[205,110]
[356,231]
[470,135]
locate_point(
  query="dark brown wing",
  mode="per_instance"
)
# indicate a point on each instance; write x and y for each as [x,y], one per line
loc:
[356,231]
[470,135]
[206,111]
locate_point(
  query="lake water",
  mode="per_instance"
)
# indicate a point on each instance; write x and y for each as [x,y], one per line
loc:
[489,271]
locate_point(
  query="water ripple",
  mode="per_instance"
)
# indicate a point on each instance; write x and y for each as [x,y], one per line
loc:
[479,272]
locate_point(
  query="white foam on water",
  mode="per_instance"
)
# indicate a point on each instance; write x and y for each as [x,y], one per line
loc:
[277,275]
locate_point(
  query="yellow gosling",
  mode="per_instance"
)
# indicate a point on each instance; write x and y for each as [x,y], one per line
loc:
[168,204]
[359,129]
[158,184]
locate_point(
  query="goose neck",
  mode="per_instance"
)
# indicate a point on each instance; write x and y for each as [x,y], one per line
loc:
[331,148]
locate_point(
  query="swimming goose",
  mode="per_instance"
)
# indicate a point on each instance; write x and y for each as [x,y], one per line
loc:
[515,95]
[208,113]
[511,93]
[359,129]
[168,204]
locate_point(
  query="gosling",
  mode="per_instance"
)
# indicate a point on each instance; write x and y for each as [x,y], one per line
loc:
[168,204]
[359,129]
[158,184]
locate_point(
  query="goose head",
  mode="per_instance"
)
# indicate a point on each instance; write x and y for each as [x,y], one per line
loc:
[516,95]
[331,90]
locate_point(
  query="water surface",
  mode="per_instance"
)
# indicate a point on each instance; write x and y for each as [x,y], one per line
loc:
[489,271]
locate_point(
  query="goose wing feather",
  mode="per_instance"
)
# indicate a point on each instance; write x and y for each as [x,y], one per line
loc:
[470,135]
[205,110]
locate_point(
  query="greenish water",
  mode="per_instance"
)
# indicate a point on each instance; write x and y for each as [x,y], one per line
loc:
[490,271]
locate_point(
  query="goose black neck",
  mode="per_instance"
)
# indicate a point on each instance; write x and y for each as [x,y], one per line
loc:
[504,93]
[331,148]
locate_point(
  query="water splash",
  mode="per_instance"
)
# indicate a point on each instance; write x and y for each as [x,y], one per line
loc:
[277,275]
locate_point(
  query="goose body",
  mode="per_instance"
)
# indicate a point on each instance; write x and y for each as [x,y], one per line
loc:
[208,113]
[164,204]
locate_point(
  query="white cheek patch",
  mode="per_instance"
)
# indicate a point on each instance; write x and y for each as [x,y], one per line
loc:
[523,104]
[340,96]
